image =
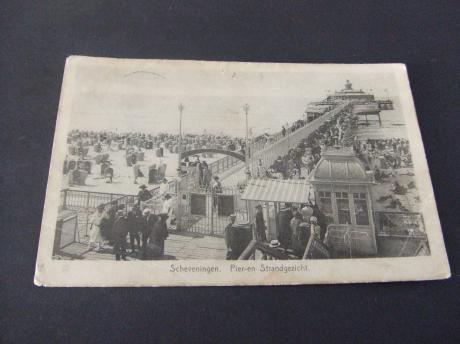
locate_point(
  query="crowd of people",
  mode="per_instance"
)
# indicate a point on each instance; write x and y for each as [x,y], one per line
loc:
[265,139]
[80,139]
[296,226]
[384,155]
[78,165]
[289,166]
[286,129]
[300,161]
[114,226]
[377,155]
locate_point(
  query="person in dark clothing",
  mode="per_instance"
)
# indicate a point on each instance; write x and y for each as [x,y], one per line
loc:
[120,230]
[285,234]
[200,167]
[159,234]
[216,190]
[148,221]
[283,131]
[260,225]
[134,219]
[295,239]
[108,174]
[108,220]
[229,237]
[144,194]
[321,220]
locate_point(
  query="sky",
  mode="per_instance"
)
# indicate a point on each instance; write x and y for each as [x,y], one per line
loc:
[144,97]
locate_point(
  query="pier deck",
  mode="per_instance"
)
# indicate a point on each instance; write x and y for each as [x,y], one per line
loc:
[178,246]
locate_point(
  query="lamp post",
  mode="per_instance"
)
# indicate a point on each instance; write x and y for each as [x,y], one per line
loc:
[246,161]
[246,153]
[179,170]
[181,109]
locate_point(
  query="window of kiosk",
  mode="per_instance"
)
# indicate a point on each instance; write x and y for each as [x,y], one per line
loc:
[361,213]
[343,208]
[326,205]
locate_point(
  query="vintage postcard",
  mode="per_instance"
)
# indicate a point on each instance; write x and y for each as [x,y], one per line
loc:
[190,173]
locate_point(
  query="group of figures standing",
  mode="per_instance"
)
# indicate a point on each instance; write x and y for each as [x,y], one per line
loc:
[296,227]
[301,160]
[111,225]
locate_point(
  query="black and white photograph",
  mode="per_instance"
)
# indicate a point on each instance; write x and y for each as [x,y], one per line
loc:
[200,161]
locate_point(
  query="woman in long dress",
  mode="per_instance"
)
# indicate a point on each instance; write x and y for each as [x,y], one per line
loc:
[95,236]
[158,236]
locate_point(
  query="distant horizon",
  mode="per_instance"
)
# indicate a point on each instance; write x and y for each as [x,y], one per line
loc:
[127,100]
[395,117]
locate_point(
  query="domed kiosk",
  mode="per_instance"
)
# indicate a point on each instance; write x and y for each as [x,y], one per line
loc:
[343,193]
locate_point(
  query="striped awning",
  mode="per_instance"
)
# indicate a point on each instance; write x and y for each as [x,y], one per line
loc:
[276,190]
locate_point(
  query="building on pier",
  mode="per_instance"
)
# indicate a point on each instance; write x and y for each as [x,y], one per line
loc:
[348,93]
[343,192]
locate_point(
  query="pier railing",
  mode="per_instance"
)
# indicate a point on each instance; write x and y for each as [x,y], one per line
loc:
[84,203]
[281,147]
[223,164]
[81,199]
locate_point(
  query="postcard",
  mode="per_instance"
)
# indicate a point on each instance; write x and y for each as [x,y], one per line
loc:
[201,173]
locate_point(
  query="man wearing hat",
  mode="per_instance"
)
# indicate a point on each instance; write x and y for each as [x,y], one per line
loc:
[120,230]
[207,176]
[134,227]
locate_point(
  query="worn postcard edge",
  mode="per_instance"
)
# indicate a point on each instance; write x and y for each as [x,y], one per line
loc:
[56,273]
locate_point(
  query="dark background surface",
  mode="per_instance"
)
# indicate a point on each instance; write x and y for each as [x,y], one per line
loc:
[37,36]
